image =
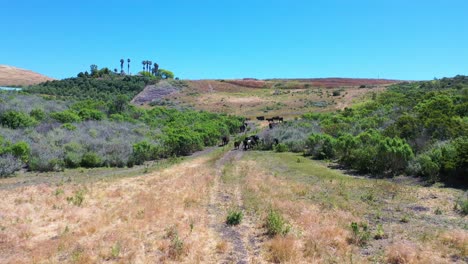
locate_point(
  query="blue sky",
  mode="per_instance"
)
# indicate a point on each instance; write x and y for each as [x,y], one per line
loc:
[397,39]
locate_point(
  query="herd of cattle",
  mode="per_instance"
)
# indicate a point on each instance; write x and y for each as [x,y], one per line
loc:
[252,141]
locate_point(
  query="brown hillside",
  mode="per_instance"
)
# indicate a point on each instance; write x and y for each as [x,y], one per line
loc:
[12,76]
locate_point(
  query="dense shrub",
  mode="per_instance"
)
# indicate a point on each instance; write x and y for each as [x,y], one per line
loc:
[67,116]
[276,224]
[91,160]
[14,119]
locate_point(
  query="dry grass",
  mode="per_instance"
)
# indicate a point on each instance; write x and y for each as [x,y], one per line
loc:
[122,221]
[14,76]
[283,250]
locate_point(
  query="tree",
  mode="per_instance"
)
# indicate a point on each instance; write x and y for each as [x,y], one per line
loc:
[144,65]
[94,69]
[115,70]
[165,74]
[155,69]
[128,66]
[149,65]
[121,64]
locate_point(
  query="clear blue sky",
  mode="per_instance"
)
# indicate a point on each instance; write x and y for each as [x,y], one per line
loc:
[400,39]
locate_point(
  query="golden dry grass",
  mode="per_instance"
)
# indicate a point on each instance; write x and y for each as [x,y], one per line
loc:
[15,76]
[158,217]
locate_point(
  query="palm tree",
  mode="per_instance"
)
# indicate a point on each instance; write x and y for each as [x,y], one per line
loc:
[149,65]
[115,70]
[144,64]
[128,66]
[121,65]
[155,68]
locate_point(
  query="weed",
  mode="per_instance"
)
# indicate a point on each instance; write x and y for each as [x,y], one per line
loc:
[58,192]
[438,211]
[281,147]
[361,233]
[77,198]
[234,217]
[176,248]
[115,251]
[379,233]
[276,225]
[405,219]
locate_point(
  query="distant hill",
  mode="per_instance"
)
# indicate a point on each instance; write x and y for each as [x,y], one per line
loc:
[12,76]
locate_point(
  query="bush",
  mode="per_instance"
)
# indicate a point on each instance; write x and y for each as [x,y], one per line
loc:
[9,164]
[281,147]
[234,217]
[20,150]
[91,160]
[14,119]
[66,116]
[276,225]
[37,114]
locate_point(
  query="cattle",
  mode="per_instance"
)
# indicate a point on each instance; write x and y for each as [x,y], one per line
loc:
[246,144]
[225,140]
[237,144]
[280,119]
[270,120]
[242,128]
[270,126]
[260,118]
[275,141]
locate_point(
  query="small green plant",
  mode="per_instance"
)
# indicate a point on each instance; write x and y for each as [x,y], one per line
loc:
[58,192]
[438,211]
[361,233]
[379,233]
[176,248]
[77,198]
[115,251]
[234,217]
[276,224]
[405,219]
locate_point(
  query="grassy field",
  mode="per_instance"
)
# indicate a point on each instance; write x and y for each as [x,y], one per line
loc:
[293,210]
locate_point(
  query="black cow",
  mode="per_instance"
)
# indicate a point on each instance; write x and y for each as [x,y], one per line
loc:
[275,141]
[237,144]
[225,140]
[260,118]
[269,120]
[280,119]
[242,128]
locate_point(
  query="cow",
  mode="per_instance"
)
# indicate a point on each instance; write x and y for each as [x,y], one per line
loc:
[260,118]
[275,141]
[242,128]
[280,119]
[270,120]
[237,144]
[225,140]
[246,144]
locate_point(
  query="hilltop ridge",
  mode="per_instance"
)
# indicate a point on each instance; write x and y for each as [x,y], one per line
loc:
[13,76]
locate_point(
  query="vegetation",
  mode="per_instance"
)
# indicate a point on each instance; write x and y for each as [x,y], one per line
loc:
[51,135]
[416,128]
[234,217]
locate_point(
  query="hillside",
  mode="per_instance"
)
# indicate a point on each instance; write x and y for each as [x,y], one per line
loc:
[12,76]
[251,97]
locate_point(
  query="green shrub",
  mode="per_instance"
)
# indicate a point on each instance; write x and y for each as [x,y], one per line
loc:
[14,119]
[281,147]
[37,114]
[276,224]
[67,116]
[69,127]
[91,160]
[21,150]
[234,217]
[90,114]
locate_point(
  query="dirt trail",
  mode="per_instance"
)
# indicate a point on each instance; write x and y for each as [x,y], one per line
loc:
[241,248]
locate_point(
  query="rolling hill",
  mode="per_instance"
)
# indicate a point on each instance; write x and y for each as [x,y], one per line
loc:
[12,76]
